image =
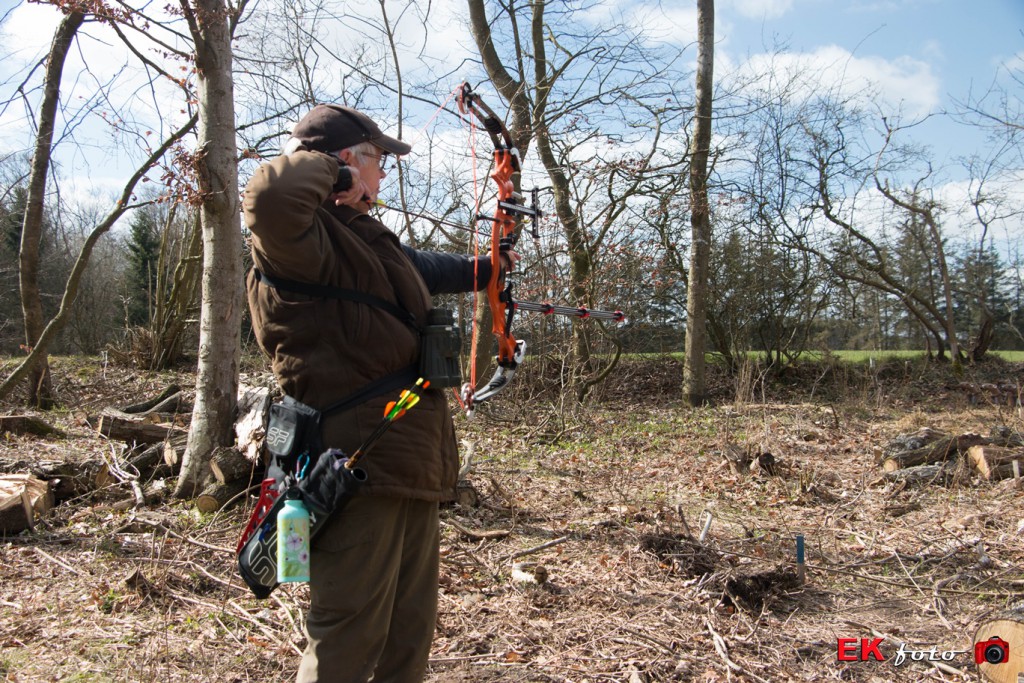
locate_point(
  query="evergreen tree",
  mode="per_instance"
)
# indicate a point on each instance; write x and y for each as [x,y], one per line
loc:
[143,258]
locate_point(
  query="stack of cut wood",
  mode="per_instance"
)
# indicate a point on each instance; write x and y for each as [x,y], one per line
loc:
[929,456]
[158,443]
[234,469]
[147,443]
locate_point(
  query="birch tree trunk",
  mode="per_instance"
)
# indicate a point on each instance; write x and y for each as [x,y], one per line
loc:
[220,319]
[694,389]
[39,393]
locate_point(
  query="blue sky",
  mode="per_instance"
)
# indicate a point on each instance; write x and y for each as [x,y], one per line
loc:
[926,53]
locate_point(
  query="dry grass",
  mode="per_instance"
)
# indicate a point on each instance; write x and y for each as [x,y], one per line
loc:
[606,505]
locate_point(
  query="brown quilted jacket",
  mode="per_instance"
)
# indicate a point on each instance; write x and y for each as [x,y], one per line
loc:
[323,350]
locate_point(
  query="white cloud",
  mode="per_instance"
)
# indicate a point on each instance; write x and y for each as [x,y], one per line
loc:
[676,25]
[904,84]
[26,32]
[761,9]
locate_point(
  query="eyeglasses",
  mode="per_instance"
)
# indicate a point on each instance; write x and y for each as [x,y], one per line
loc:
[385,162]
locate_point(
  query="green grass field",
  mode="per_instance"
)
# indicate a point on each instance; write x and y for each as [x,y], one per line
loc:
[865,356]
[847,356]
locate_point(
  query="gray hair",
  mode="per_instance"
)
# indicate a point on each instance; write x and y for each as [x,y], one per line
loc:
[366,148]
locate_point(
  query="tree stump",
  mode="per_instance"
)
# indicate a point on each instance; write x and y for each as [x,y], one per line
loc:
[995,462]
[1003,632]
[22,498]
[228,465]
[253,411]
[215,496]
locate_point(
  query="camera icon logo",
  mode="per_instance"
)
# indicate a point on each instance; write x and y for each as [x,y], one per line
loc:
[995,650]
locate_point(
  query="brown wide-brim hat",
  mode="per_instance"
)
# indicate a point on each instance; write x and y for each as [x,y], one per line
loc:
[331,127]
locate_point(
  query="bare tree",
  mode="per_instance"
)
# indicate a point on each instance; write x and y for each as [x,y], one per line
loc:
[210,23]
[122,205]
[694,383]
[596,123]
[39,393]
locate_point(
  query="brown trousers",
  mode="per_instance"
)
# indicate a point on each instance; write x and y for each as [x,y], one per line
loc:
[373,593]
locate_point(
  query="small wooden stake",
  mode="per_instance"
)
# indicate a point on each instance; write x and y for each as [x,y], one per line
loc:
[801,569]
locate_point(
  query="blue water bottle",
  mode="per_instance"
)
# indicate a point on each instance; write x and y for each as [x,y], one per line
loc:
[293,541]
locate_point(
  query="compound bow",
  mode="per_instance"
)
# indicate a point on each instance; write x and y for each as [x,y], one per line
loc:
[505,222]
[504,235]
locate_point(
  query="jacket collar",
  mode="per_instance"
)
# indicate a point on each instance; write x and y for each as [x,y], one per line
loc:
[365,226]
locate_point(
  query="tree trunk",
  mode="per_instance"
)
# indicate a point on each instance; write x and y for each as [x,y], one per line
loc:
[516,94]
[694,386]
[220,319]
[947,291]
[39,393]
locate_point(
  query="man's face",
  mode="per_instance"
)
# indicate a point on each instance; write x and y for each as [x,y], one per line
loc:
[371,170]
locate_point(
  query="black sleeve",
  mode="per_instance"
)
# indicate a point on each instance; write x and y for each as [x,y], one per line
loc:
[449,273]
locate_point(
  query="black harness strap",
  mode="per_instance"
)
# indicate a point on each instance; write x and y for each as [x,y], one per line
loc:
[396,380]
[331,292]
[378,387]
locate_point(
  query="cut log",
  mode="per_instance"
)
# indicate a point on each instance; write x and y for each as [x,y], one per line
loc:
[26,424]
[912,442]
[146,458]
[228,465]
[995,462]
[1004,436]
[66,479]
[135,431]
[23,497]
[151,404]
[216,496]
[939,473]
[1002,633]
[466,494]
[948,448]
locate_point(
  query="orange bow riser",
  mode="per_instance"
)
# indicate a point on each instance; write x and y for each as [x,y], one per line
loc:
[504,234]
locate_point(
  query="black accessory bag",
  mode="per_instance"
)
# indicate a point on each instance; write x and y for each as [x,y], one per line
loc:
[292,429]
[440,344]
[325,490]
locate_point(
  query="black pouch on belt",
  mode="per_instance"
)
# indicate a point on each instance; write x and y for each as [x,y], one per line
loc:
[293,429]
[440,344]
